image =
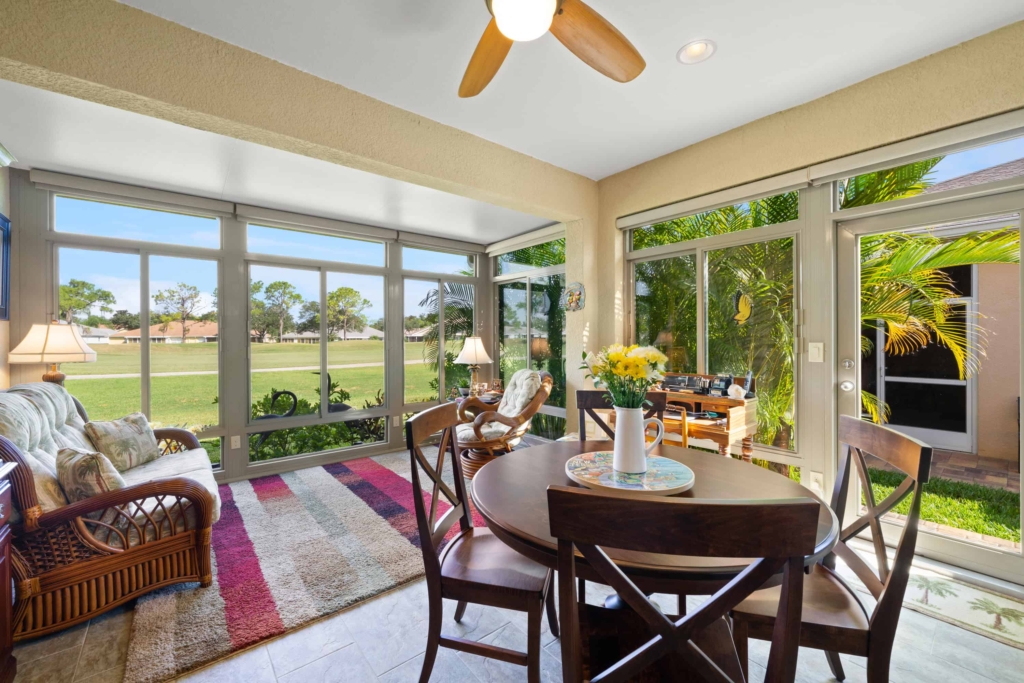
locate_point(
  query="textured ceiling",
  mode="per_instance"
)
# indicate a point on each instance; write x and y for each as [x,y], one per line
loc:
[546,103]
[55,132]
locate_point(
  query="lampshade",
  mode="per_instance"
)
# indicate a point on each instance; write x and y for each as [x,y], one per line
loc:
[53,343]
[473,352]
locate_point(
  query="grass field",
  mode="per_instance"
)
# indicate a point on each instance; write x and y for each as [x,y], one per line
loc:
[972,507]
[116,359]
[188,399]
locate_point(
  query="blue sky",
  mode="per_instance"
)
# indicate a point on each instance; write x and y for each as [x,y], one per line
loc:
[971,160]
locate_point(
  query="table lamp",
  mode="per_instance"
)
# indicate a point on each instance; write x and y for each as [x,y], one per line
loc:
[474,355]
[54,344]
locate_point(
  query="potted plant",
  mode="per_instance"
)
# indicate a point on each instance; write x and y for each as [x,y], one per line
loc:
[464,387]
[627,373]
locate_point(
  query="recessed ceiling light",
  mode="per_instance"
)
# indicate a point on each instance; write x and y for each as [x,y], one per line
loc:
[696,51]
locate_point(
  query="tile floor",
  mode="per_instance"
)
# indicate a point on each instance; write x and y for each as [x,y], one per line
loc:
[383,640]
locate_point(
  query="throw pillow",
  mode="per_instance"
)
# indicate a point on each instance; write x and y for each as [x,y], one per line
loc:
[128,442]
[84,474]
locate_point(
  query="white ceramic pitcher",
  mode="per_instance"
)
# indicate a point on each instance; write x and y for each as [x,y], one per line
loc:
[630,453]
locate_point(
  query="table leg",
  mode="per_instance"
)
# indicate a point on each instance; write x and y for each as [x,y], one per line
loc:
[723,449]
[748,448]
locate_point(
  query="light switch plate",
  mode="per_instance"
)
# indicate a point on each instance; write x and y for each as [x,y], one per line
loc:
[816,352]
[396,420]
[236,442]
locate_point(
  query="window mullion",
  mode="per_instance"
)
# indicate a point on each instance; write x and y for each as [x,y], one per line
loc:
[702,276]
[144,318]
[325,382]
[442,357]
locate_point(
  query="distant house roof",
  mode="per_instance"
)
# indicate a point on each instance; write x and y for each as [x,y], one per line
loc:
[172,329]
[420,332]
[301,335]
[365,333]
[1011,169]
[86,331]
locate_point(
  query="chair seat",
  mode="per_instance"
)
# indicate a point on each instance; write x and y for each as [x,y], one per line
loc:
[479,557]
[833,618]
[490,431]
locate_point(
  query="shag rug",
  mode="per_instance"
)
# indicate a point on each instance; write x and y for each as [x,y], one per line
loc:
[288,549]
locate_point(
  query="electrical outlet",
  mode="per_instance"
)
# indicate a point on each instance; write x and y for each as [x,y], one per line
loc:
[396,421]
[236,442]
[816,352]
[816,482]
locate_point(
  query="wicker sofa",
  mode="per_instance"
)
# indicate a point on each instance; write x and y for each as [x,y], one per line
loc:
[72,561]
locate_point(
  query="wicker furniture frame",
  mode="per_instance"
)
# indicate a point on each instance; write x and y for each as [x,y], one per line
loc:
[476,454]
[65,575]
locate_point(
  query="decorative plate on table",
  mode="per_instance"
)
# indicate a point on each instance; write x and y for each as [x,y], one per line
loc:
[664,477]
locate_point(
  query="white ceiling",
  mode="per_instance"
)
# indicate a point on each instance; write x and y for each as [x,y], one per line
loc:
[546,103]
[59,133]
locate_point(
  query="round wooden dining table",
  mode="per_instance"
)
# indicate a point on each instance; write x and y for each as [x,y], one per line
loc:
[511,494]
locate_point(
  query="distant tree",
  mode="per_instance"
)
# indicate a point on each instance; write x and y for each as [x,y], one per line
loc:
[280,298]
[260,319]
[377,324]
[309,317]
[345,308]
[180,303]
[123,320]
[79,296]
[94,320]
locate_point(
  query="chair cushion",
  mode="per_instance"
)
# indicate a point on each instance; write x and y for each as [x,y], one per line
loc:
[192,464]
[40,419]
[490,431]
[128,442]
[519,391]
[831,611]
[477,556]
[84,474]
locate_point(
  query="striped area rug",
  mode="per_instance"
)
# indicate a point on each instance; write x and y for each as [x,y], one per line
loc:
[288,549]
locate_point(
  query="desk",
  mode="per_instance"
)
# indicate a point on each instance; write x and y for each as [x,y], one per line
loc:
[740,420]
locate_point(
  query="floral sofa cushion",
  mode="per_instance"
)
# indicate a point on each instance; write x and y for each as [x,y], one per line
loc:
[84,473]
[128,442]
[41,419]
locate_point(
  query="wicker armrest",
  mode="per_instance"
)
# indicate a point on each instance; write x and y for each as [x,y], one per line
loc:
[493,416]
[177,488]
[174,440]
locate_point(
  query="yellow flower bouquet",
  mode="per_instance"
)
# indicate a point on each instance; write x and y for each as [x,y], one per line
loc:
[627,372]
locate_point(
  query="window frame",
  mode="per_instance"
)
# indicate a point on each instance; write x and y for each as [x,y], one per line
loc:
[526,276]
[57,240]
[699,248]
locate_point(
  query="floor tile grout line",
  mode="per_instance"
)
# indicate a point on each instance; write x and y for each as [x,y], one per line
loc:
[78,660]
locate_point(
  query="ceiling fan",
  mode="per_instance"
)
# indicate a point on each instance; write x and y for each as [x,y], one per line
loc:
[586,33]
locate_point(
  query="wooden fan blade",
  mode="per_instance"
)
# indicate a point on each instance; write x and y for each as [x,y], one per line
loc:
[590,37]
[487,59]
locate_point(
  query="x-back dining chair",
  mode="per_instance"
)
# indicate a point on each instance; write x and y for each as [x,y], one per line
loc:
[781,533]
[589,401]
[474,566]
[834,619]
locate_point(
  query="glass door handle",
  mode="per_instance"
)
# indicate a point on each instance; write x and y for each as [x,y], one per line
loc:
[846,385]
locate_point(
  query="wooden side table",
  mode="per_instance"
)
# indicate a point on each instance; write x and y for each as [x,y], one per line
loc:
[8,666]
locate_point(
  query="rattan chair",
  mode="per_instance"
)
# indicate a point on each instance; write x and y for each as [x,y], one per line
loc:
[489,431]
[88,557]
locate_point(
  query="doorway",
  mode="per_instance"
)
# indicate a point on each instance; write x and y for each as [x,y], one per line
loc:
[929,344]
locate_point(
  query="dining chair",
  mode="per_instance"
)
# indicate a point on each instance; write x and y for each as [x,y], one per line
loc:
[589,401]
[834,619]
[779,533]
[473,565]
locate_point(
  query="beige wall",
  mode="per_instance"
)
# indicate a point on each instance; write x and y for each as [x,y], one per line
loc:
[5,326]
[999,379]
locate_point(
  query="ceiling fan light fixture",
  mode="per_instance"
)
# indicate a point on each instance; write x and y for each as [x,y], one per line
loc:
[696,51]
[523,20]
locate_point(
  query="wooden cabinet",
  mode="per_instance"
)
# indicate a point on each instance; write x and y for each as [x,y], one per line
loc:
[7,662]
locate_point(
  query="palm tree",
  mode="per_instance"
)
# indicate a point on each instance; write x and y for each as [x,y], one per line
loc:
[458,323]
[935,587]
[1000,613]
[904,287]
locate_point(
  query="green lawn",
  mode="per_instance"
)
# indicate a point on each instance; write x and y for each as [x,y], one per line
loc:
[188,399]
[116,359]
[971,507]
